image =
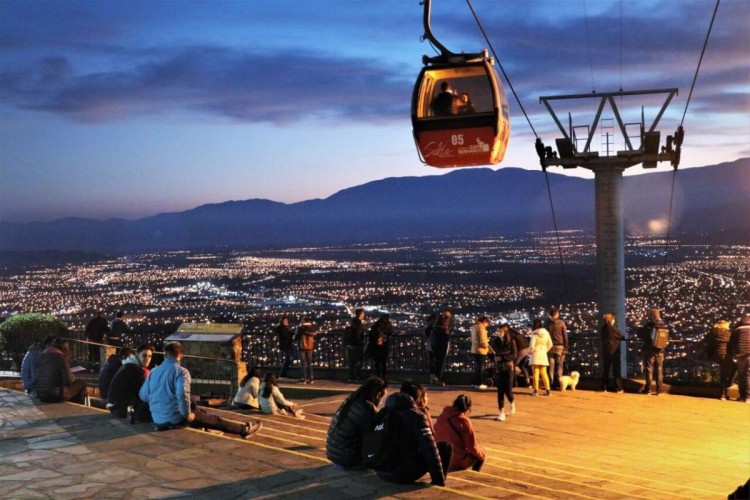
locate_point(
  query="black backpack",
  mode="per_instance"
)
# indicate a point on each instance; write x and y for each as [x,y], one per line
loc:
[380,450]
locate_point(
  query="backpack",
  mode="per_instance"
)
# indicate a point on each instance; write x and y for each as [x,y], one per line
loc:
[659,336]
[380,450]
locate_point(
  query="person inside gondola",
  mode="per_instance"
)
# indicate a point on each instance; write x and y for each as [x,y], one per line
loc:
[446,103]
[465,105]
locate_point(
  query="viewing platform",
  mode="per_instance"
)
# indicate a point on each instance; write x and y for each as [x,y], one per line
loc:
[574,444]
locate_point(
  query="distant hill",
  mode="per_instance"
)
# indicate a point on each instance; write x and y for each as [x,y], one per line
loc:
[711,203]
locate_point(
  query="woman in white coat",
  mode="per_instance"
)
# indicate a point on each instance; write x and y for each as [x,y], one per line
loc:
[540,344]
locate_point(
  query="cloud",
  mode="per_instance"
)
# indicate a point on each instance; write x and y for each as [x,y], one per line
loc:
[278,87]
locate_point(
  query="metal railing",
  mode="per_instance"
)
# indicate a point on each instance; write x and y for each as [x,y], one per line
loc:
[683,361]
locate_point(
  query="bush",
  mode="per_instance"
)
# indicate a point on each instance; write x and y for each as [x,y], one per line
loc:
[18,332]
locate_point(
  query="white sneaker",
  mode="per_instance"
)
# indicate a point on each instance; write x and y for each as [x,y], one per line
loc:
[482,387]
[501,417]
[513,408]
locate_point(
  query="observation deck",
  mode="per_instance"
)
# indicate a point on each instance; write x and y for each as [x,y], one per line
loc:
[574,444]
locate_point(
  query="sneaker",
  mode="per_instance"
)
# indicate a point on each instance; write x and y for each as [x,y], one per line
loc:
[657,394]
[250,429]
[482,387]
[534,393]
[548,393]
[513,408]
[301,381]
[310,382]
[298,413]
[441,383]
[645,390]
[620,391]
[501,417]
[723,398]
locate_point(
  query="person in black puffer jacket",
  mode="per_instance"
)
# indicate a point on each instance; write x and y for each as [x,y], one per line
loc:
[417,450]
[55,382]
[126,384]
[344,442]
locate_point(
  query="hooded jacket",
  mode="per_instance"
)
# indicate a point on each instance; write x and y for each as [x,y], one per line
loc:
[416,444]
[127,382]
[539,346]
[29,367]
[740,341]
[611,338]
[479,341]
[53,375]
[306,335]
[344,440]
[455,427]
[107,373]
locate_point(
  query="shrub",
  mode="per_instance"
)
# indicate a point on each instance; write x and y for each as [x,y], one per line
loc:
[18,332]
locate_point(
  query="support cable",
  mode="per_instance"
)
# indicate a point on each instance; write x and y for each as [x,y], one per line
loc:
[588,44]
[679,134]
[544,168]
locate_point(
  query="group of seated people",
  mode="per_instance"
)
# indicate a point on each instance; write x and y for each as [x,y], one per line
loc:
[162,396]
[416,445]
[265,396]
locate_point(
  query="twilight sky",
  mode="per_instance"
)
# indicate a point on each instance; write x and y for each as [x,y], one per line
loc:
[131,108]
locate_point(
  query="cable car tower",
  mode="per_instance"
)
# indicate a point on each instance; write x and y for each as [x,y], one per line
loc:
[608,170]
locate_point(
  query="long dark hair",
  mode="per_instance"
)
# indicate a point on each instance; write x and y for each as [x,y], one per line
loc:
[462,403]
[372,390]
[270,380]
[254,372]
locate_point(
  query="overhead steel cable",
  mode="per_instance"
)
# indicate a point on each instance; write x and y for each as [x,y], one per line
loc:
[588,44]
[528,120]
[679,130]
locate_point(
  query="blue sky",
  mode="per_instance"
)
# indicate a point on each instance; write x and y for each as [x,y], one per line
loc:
[131,108]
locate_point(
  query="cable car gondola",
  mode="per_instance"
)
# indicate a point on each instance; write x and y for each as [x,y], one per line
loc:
[459,108]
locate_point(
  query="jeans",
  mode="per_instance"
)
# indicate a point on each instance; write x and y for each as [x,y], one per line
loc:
[654,359]
[523,366]
[727,369]
[556,357]
[612,362]
[479,361]
[412,471]
[440,353]
[743,376]
[380,357]
[288,355]
[504,378]
[354,360]
[306,358]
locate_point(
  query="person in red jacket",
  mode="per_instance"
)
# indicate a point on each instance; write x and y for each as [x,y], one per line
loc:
[454,426]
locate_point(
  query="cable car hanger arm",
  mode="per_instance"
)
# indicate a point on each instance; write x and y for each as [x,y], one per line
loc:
[446,56]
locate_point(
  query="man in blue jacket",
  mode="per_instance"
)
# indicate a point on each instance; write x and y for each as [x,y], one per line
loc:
[167,392]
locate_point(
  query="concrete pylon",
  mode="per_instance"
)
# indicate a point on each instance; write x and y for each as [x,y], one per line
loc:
[610,244]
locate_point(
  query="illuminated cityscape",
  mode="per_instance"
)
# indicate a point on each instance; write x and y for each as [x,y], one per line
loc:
[510,278]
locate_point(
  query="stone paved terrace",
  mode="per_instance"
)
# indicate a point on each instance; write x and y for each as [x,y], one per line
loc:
[580,444]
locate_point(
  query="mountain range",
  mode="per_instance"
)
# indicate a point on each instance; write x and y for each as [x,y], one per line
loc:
[711,203]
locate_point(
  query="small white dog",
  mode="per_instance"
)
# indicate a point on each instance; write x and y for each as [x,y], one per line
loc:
[569,381]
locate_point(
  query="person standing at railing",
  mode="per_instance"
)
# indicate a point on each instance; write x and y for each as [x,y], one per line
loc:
[286,344]
[305,336]
[504,351]
[117,330]
[440,343]
[378,344]
[653,357]
[611,338]
[479,349]
[717,350]
[740,347]
[95,331]
[558,332]
[354,335]
[540,345]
